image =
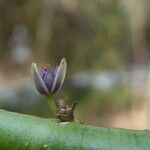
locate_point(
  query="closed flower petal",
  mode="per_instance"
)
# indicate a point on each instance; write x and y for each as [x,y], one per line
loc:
[59,76]
[38,81]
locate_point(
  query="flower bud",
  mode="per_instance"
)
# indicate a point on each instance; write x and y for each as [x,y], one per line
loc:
[48,81]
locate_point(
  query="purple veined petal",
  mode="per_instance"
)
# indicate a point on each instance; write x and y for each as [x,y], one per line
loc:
[38,81]
[49,70]
[59,76]
[41,71]
[47,76]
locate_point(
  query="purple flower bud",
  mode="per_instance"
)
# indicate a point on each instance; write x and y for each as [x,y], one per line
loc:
[48,81]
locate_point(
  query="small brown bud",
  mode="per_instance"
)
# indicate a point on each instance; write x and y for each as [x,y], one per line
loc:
[65,111]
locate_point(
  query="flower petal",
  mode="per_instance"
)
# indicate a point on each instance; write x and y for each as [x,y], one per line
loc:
[59,76]
[55,70]
[48,77]
[48,69]
[38,81]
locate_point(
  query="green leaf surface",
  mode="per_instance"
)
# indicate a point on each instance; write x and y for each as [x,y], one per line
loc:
[25,132]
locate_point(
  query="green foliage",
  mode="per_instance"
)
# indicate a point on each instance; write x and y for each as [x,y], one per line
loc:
[91,35]
[89,31]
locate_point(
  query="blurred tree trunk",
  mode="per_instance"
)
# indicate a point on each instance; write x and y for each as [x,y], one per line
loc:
[147,103]
[136,11]
[138,24]
[43,34]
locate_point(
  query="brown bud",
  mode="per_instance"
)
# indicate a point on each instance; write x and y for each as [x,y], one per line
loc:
[65,111]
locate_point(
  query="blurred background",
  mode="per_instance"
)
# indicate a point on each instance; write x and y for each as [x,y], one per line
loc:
[107,48]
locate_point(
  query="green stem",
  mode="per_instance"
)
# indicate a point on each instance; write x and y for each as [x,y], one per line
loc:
[25,132]
[51,104]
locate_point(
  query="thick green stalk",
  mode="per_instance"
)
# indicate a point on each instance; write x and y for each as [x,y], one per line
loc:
[51,103]
[25,132]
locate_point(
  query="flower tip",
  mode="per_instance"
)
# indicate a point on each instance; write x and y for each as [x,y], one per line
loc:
[63,64]
[63,61]
[33,66]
